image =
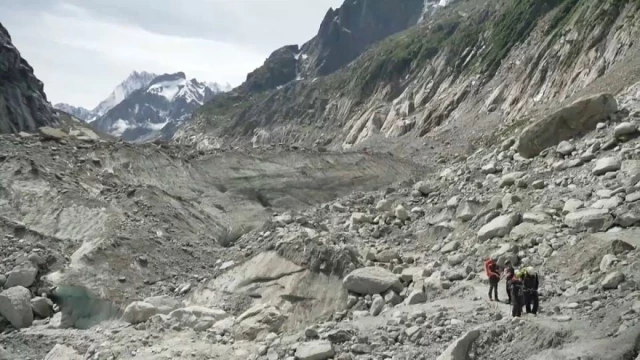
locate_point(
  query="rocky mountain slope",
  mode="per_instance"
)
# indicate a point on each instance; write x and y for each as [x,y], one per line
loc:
[479,65]
[343,35]
[23,103]
[167,99]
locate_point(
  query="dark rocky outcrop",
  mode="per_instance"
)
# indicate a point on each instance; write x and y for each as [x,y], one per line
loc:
[279,69]
[349,30]
[344,34]
[23,103]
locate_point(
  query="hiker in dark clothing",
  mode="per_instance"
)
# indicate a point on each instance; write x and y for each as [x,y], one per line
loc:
[517,292]
[531,283]
[492,270]
[508,274]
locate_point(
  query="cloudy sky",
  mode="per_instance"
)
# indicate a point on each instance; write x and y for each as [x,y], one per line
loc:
[81,49]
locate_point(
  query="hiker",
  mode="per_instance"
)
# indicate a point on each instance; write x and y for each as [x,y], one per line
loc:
[517,294]
[508,274]
[530,282]
[492,270]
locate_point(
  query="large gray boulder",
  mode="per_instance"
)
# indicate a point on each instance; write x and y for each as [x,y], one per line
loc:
[199,318]
[163,303]
[138,312]
[459,349]
[22,275]
[62,352]
[257,322]
[15,306]
[606,165]
[41,307]
[498,227]
[315,350]
[589,219]
[372,280]
[573,120]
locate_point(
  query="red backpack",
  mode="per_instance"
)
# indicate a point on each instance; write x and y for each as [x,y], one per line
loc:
[487,267]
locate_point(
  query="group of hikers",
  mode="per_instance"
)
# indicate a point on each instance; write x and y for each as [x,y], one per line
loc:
[521,286]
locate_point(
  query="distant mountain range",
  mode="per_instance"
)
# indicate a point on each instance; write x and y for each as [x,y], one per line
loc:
[145,102]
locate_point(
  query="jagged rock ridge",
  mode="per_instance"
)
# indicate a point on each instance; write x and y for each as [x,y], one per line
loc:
[343,35]
[23,103]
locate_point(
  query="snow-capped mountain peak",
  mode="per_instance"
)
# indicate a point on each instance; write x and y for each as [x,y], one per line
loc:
[136,80]
[166,99]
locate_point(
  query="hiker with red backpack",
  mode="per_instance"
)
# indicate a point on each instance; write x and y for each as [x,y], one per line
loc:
[492,270]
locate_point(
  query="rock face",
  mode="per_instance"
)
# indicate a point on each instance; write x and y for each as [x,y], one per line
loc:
[372,280]
[396,87]
[23,103]
[576,119]
[15,306]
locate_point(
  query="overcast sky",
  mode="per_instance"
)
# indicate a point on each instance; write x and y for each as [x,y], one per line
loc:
[81,49]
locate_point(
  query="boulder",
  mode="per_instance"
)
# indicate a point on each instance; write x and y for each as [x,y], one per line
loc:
[451,246]
[315,350]
[565,148]
[510,178]
[62,352]
[575,119]
[607,261]
[41,307]
[257,322]
[612,280]
[606,165]
[401,213]
[163,303]
[589,219]
[139,312]
[49,133]
[466,211]
[631,171]
[498,227]
[572,205]
[377,305]
[459,349]
[22,275]
[387,256]
[624,128]
[198,318]
[424,187]
[15,306]
[416,297]
[361,218]
[372,280]
[536,217]
[384,205]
